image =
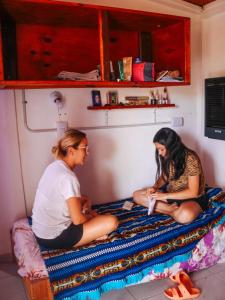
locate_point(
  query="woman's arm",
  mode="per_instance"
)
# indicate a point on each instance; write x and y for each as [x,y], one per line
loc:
[75,207]
[86,204]
[158,184]
[190,192]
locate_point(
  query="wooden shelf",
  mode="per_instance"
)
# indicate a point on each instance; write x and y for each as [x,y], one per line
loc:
[41,38]
[129,106]
[4,84]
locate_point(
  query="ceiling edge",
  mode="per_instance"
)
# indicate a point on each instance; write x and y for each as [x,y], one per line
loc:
[214,8]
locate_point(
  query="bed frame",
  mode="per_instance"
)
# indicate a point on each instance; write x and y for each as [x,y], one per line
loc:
[38,289]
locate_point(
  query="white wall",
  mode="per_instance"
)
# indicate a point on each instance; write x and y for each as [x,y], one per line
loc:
[11,190]
[121,159]
[213,66]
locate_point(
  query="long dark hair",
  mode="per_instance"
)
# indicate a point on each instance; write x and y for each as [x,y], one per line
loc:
[176,153]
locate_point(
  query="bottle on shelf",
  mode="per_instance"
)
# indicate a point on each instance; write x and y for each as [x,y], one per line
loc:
[152,97]
[157,97]
[165,97]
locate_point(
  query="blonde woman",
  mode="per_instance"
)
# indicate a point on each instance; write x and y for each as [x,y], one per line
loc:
[61,217]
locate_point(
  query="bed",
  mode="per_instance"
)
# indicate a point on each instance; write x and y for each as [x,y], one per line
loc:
[143,248]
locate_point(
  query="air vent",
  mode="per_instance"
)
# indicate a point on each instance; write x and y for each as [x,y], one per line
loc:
[215,108]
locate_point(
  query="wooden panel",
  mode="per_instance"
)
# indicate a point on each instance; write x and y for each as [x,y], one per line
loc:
[44,51]
[146,46]
[9,53]
[123,43]
[104,45]
[57,13]
[128,106]
[169,48]
[83,84]
[38,289]
[139,20]
[187,49]
[1,55]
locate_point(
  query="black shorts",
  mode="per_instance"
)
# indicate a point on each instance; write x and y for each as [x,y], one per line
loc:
[203,201]
[67,239]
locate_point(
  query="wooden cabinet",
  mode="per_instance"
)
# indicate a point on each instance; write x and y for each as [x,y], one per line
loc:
[40,38]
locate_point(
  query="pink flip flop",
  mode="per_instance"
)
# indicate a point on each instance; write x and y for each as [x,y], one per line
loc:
[180,277]
[182,292]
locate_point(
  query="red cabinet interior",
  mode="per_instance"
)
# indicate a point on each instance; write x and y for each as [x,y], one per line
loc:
[53,36]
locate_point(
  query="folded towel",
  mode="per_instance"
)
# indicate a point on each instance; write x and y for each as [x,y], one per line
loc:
[90,76]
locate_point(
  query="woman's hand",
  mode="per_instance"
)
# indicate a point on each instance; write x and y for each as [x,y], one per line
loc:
[150,191]
[160,196]
[86,204]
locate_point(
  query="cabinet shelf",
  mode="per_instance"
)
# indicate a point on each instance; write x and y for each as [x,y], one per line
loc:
[85,84]
[129,106]
[39,39]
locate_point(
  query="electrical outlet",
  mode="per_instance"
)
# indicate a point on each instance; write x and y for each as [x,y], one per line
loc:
[61,127]
[177,121]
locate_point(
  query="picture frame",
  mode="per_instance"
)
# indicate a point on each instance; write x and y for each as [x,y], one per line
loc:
[96,98]
[112,98]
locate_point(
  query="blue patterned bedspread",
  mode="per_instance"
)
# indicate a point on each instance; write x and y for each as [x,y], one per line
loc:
[141,244]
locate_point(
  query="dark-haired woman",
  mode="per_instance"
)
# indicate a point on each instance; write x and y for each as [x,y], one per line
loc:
[179,170]
[62,217]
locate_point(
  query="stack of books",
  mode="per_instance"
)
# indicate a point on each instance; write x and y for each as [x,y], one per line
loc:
[136,100]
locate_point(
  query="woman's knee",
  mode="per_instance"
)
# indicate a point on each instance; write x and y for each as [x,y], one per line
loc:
[184,216]
[136,196]
[112,222]
[139,196]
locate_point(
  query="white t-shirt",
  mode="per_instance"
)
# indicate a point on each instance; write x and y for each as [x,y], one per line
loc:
[50,214]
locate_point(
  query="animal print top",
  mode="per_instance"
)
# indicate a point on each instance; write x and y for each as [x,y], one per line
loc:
[193,167]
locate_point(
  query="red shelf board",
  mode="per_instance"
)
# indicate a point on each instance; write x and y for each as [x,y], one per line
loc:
[129,106]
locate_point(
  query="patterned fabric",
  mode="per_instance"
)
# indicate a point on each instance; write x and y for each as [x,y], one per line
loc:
[141,245]
[193,167]
[27,251]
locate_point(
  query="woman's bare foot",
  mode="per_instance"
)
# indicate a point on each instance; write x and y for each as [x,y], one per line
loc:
[165,208]
[101,238]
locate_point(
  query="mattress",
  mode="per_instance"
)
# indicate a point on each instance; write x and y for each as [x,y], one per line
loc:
[142,249]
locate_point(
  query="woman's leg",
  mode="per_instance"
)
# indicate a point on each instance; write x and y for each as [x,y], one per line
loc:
[97,227]
[165,208]
[140,197]
[186,212]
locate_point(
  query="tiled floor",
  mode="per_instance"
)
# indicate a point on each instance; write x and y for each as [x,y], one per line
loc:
[211,281]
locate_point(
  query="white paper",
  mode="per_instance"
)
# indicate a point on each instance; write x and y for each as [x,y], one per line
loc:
[151,204]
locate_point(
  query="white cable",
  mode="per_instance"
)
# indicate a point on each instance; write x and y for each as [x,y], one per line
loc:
[24,102]
[20,158]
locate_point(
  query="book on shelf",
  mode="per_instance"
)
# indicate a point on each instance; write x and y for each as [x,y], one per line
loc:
[161,74]
[136,98]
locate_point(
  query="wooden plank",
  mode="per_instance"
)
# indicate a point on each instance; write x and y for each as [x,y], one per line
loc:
[104,45]
[71,13]
[169,48]
[1,56]
[9,49]
[108,107]
[187,54]
[20,84]
[44,51]
[38,289]
[146,46]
